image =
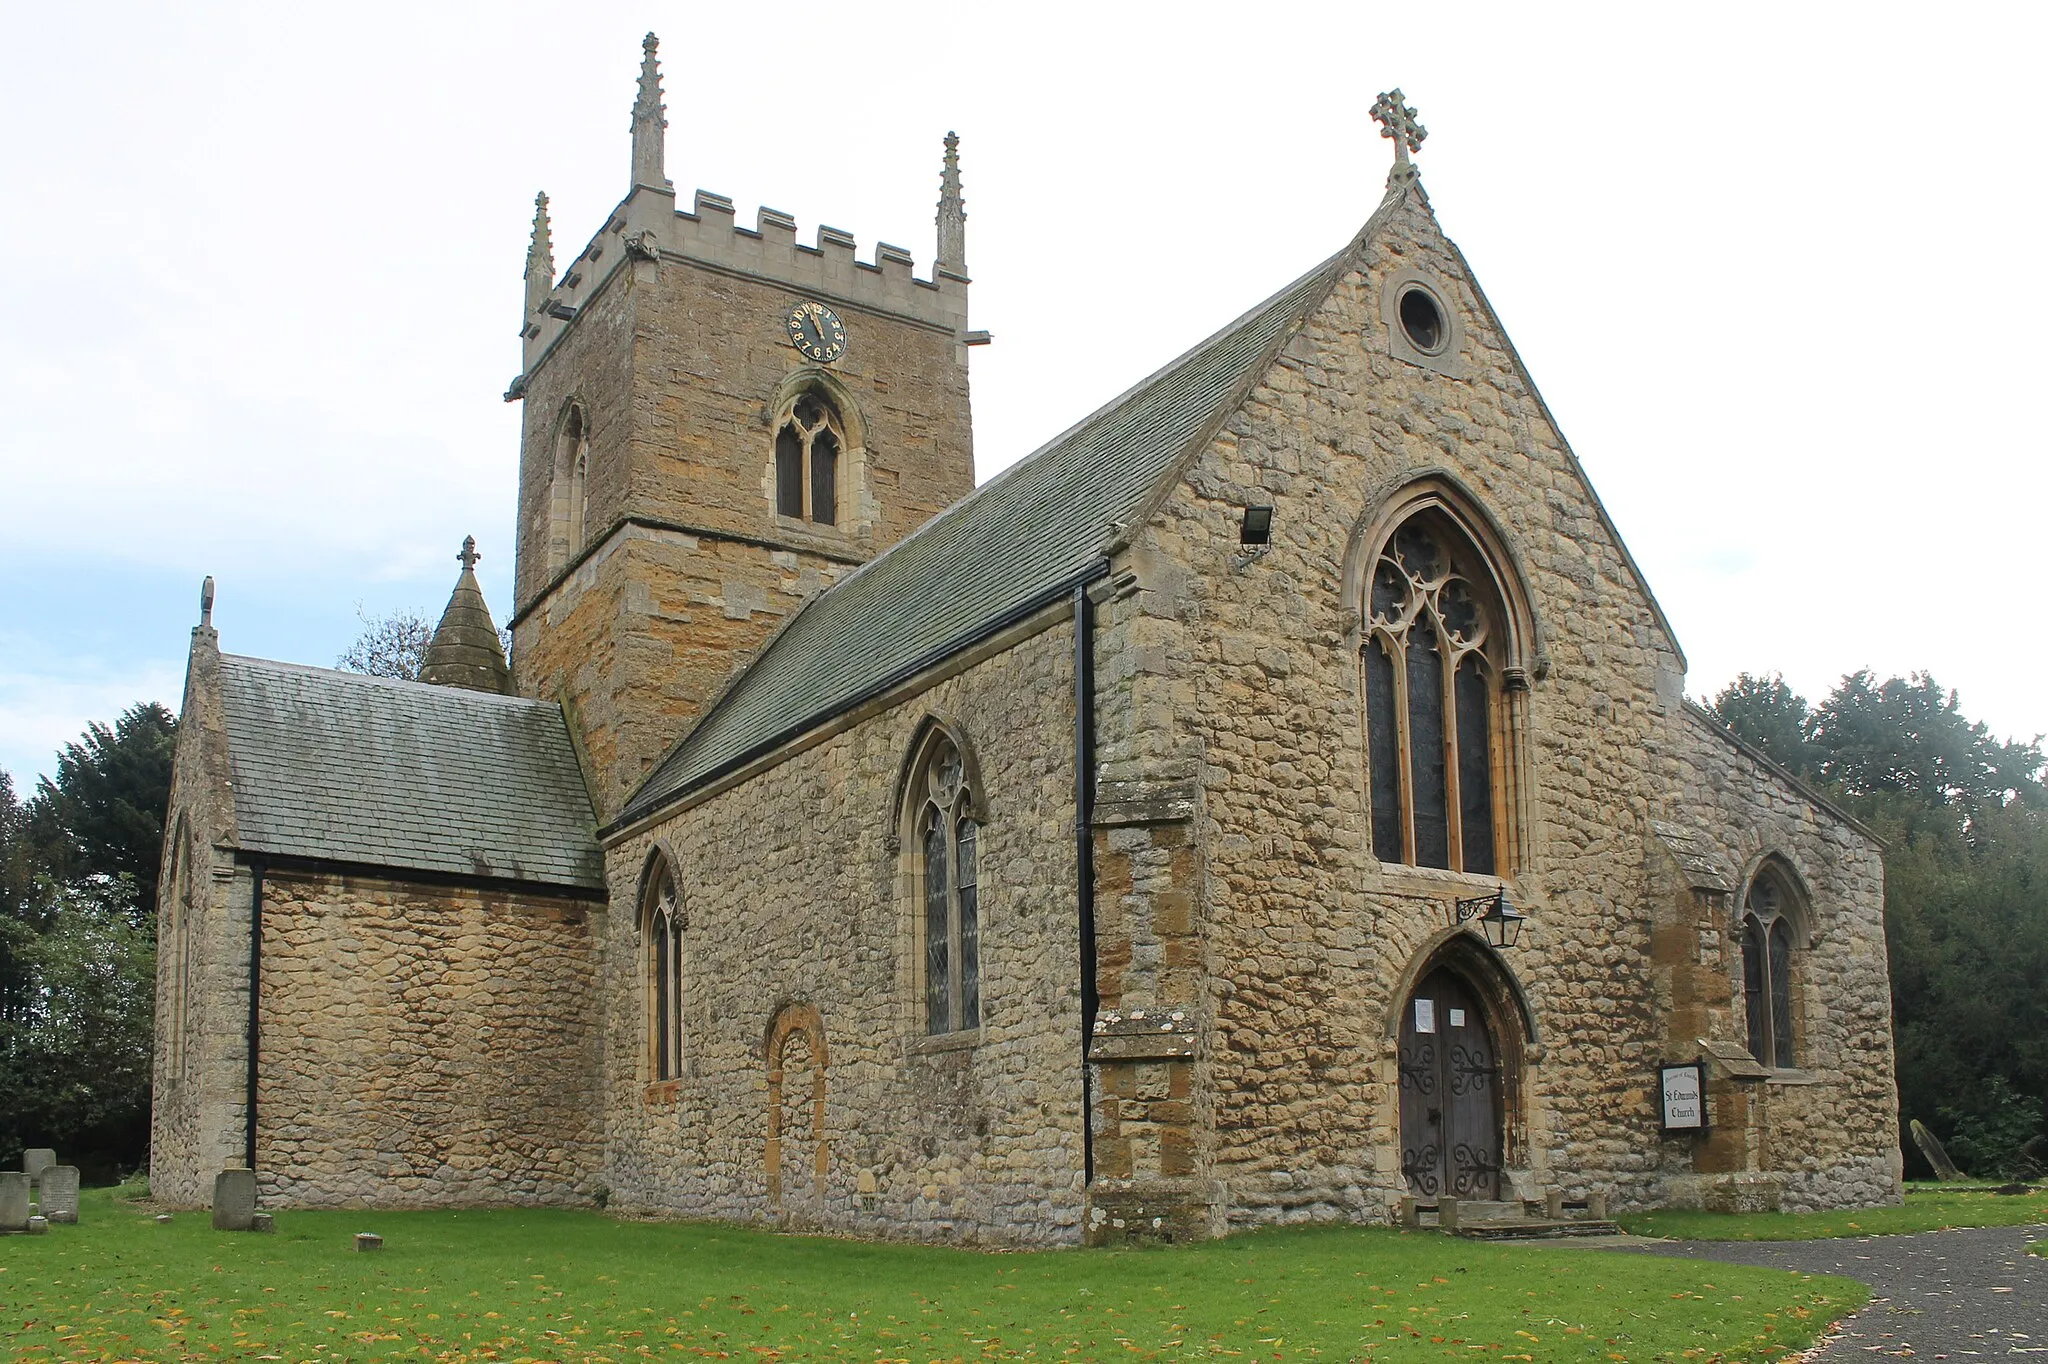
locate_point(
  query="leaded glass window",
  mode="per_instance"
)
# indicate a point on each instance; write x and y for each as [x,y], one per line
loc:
[1767,960]
[948,840]
[662,938]
[1432,681]
[807,450]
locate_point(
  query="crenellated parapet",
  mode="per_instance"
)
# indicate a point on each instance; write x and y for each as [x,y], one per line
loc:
[648,227]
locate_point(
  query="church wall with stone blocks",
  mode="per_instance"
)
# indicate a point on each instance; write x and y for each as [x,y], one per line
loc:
[1273,800]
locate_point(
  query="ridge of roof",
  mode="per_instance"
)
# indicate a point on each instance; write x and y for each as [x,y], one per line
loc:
[460,695]
[1040,522]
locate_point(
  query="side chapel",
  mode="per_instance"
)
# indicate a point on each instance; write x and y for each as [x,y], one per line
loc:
[1273,799]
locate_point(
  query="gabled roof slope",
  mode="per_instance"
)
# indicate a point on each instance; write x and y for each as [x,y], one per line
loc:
[349,768]
[1014,543]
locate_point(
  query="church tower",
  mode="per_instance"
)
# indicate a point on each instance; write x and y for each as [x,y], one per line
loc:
[719,421]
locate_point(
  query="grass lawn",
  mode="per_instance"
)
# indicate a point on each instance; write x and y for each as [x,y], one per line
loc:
[1923,1210]
[578,1286]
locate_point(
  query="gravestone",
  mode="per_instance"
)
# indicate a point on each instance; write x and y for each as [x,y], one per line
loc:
[36,1160]
[60,1193]
[262,1221]
[13,1201]
[37,1226]
[1930,1147]
[234,1199]
[369,1240]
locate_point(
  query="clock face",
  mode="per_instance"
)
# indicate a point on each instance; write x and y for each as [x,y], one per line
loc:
[816,332]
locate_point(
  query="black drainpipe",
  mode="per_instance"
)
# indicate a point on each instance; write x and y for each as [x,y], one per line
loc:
[255,1003]
[1084,850]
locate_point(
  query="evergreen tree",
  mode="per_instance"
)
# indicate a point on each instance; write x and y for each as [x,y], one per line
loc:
[103,816]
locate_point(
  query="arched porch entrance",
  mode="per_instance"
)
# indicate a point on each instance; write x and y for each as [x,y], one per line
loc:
[1462,1038]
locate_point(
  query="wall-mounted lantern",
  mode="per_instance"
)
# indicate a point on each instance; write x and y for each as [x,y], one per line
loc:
[1500,920]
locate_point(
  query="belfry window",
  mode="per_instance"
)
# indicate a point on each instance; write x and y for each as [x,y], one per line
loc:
[1767,936]
[1433,667]
[569,491]
[662,942]
[949,884]
[807,449]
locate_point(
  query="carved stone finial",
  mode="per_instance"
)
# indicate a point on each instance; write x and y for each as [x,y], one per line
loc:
[540,258]
[952,217]
[206,603]
[468,557]
[1397,120]
[650,123]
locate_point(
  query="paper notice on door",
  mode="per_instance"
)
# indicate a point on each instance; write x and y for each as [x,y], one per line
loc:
[1425,1015]
[1457,1018]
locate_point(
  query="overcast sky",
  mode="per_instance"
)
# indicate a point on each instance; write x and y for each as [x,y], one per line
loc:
[1778,271]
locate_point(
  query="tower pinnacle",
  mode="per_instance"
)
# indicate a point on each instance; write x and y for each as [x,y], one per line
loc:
[649,122]
[952,217]
[540,258]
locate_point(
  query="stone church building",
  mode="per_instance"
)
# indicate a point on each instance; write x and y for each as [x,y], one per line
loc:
[1272,799]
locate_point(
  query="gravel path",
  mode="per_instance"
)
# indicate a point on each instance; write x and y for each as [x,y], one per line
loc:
[1974,1293]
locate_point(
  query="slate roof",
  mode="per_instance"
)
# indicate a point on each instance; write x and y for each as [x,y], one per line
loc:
[1015,543]
[396,774]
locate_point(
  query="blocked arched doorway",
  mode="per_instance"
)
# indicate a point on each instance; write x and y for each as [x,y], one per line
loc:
[798,1155]
[1462,1040]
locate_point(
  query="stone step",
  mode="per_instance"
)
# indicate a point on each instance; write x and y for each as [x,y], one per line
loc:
[1533,1228]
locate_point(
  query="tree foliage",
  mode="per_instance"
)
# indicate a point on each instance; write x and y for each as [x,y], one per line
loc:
[389,646]
[1964,817]
[78,873]
[103,815]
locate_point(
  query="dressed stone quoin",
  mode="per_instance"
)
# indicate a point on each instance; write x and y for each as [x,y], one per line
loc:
[1274,798]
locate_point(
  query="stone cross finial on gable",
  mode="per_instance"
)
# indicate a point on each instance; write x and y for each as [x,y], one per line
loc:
[1397,120]
[469,556]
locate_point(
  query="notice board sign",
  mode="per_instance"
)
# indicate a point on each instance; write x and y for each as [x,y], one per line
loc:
[1683,1097]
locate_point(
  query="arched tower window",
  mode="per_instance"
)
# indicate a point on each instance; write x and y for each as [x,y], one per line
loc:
[1769,929]
[1434,659]
[661,938]
[569,493]
[948,881]
[807,450]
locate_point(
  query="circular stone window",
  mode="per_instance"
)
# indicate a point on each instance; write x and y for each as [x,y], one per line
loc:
[1422,318]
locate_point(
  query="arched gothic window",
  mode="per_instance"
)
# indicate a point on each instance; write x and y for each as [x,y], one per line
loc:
[1767,937]
[662,943]
[950,891]
[570,489]
[807,461]
[1433,663]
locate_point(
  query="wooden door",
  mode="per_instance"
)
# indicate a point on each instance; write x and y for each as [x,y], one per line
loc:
[1450,1093]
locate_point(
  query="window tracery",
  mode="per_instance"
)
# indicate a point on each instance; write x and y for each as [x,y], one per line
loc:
[1433,668]
[662,944]
[948,854]
[1767,951]
[807,450]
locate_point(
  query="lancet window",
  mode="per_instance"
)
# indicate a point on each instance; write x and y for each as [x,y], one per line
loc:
[949,884]
[1767,938]
[662,943]
[807,450]
[570,491]
[1433,663]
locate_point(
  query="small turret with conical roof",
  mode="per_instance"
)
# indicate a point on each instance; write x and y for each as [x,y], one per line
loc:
[465,651]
